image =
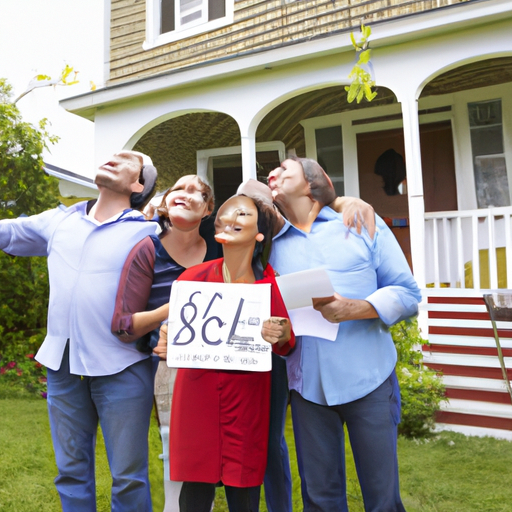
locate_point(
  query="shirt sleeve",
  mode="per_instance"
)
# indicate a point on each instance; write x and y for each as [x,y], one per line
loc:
[29,236]
[398,294]
[134,288]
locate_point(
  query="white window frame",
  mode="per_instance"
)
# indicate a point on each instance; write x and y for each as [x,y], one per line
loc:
[153,22]
[205,156]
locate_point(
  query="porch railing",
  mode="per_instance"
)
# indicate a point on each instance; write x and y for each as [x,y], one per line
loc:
[469,249]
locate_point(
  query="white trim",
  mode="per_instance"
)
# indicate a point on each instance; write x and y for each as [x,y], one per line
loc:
[475,431]
[441,20]
[474,383]
[204,157]
[475,361]
[466,341]
[479,408]
[153,23]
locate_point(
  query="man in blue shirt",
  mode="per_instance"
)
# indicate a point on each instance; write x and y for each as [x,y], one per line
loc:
[92,376]
[350,380]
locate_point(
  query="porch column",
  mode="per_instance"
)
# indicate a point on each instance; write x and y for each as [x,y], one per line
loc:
[248,136]
[414,183]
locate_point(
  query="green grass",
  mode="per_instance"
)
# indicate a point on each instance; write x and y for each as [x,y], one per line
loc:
[450,473]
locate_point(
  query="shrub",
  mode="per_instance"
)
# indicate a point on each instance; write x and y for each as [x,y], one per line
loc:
[24,190]
[421,389]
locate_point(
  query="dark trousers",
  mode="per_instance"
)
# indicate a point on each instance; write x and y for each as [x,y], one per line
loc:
[198,497]
[372,427]
[278,479]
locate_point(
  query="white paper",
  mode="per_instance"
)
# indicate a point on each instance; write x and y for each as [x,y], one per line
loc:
[218,326]
[310,322]
[298,289]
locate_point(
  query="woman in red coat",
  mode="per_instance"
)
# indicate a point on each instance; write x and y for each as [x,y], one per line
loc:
[220,418]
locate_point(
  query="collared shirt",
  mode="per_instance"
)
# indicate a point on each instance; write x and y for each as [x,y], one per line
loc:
[84,262]
[363,355]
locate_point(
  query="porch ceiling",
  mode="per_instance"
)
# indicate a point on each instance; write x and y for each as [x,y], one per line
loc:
[173,144]
[471,76]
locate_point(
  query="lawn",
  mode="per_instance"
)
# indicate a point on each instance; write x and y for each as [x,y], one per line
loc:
[450,473]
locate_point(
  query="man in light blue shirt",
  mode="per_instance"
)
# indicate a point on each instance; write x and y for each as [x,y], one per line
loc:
[350,380]
[92,376]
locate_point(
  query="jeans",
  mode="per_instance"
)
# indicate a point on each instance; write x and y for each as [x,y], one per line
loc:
[122,405]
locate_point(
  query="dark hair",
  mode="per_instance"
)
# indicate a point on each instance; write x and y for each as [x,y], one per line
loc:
[147,177]
[266,224]
[206,192]
[322,189]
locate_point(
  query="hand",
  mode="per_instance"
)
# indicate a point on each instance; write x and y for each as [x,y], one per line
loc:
[161,348]
[338,309]
[276,330]
[149,211]
[356,213]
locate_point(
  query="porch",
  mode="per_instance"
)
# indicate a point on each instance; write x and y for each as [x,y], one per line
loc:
[467,254]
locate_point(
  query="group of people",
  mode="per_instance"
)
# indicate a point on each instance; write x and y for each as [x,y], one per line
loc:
[111,271]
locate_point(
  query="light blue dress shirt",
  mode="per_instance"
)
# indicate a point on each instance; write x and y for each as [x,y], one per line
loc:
[363,355]
[84,265]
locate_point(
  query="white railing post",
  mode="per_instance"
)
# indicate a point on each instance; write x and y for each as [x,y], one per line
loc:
[461,275]
[493,264]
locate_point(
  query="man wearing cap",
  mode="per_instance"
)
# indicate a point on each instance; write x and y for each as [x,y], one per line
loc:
[92,376]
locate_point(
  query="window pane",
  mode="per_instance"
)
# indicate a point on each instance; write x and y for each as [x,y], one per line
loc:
[167,18]
[329,150]
[489,166]
[216,9]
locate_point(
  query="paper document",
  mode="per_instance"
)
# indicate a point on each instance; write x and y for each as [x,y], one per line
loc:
[298,290]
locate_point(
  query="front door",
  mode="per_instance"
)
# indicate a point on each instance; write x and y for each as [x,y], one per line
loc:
[438,166]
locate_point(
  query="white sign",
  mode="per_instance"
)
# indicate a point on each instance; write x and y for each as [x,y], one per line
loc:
[218,326]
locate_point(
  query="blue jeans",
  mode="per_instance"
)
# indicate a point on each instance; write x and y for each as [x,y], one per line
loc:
[320,440]
[122,404]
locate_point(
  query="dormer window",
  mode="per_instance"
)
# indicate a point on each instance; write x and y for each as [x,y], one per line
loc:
[171,20]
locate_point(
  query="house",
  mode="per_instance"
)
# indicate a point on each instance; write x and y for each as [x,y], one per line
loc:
[228,88]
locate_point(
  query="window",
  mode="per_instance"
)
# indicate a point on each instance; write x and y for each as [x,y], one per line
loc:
[170,20]
[329,151]
[222,167]
[486,127]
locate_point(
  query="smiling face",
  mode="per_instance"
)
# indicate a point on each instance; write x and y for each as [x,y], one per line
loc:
[121,173]
[187,202]
[237,222]
[288,182]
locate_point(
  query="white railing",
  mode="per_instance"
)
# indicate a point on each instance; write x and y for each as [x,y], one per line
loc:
[469,249]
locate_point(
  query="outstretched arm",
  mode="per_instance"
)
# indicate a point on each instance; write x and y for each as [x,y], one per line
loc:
[356,213]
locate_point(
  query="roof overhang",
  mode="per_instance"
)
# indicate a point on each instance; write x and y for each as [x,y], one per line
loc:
[384,33]
[63,174]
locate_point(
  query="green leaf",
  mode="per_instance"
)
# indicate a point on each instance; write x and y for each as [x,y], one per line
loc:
[364,57]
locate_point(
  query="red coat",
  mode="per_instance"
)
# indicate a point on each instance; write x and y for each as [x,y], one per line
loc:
[220,418]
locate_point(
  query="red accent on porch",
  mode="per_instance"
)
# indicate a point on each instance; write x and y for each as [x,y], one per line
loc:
[473,420]
[458,349]
[469,371]
[467,331]
[456,300]
[495,397]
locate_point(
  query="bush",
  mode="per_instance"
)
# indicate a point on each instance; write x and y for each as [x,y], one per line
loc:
[24,190]
[422,390]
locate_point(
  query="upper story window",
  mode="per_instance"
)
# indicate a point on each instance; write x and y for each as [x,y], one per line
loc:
[170,20]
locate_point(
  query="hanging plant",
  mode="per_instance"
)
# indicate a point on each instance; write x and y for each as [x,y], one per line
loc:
[361,74]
